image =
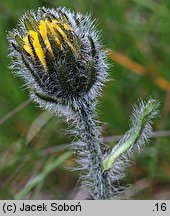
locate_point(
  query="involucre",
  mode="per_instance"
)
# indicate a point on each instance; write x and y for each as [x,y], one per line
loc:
[59,55]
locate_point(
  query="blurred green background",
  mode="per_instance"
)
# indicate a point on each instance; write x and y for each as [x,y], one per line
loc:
[34,156]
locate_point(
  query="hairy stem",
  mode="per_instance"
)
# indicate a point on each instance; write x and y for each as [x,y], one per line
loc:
[108,162]
[89,151]
[139,133]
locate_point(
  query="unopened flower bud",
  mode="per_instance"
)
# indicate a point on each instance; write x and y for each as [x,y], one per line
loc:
[58,54]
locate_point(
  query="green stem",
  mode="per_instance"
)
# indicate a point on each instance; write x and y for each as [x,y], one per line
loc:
[142,117]
[108,161]
[89,136]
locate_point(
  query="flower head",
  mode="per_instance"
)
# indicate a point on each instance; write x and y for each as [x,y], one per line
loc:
[58,54]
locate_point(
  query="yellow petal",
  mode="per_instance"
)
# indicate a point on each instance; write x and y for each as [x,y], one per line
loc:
[56,26]
[27,46]
[43,32]
[37,47]
[54,34]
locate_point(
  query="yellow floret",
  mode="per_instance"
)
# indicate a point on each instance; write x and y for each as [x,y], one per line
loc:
[43,29]
[27,46]
[54,34]
[66,26]
[57,27]
[37,47]
[43,32]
